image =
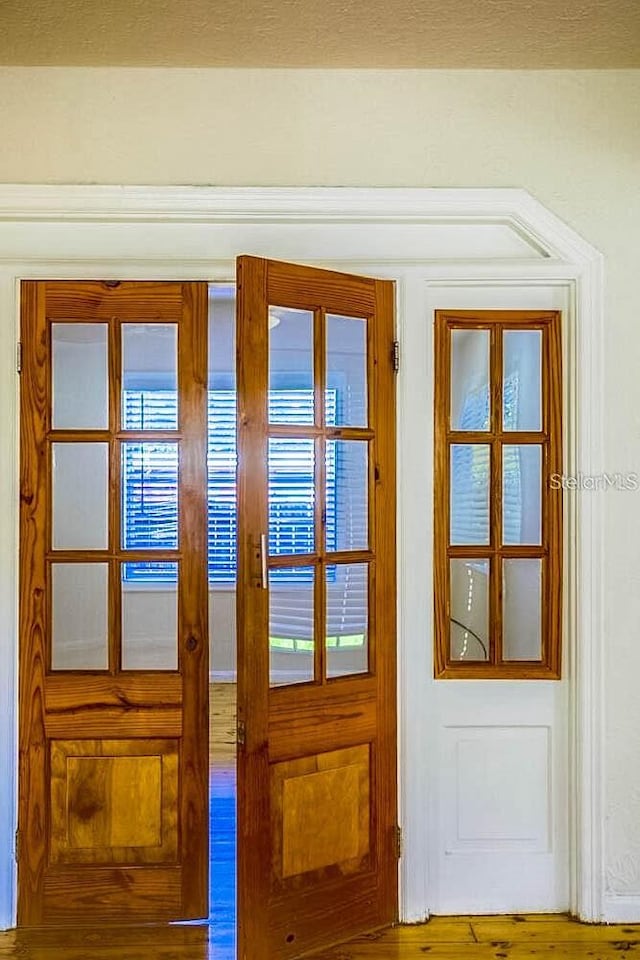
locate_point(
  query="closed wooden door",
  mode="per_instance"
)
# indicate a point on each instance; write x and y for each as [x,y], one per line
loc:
[113,805]
[317,828]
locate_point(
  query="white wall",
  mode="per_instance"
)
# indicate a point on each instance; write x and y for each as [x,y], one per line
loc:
[571,138]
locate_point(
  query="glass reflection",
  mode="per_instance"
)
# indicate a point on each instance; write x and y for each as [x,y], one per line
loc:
[80,384]
[149,376]
[469,379]
[291,625]
[522,609]
[469,609]
[346,345]
[522,380]
[347,639]
[150,617]
[470,472]
[80,616]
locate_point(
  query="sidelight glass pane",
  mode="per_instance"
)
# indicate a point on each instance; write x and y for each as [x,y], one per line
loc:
[522,609]
[149,376]
[470,474]
[291,496]
[347,639]
[80,379]
[470,380]
[80,485]
[347,483]
[521,494]
[469,609]
[79,615]
[149,496]
[291,626]
[346,345]
[150,620]
[291,364]
[522,383]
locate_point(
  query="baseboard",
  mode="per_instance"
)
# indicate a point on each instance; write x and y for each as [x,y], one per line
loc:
[621,908]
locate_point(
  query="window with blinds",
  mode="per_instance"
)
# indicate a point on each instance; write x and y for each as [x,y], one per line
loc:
[150,476]
[497,517]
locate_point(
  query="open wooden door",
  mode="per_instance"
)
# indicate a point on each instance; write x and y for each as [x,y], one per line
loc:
[113,811]
[317,826]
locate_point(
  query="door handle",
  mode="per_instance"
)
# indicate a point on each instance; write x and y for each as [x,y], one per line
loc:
[264,576]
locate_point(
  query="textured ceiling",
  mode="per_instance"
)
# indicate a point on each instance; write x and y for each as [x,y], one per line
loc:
[322,33]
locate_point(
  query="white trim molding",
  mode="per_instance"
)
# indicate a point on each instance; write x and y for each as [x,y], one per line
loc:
[620,908]
[417,237]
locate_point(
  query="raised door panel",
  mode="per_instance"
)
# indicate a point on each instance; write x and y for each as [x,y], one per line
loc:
[114,801]
[320,816]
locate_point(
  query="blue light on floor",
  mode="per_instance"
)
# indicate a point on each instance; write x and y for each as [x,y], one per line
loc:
[222,865]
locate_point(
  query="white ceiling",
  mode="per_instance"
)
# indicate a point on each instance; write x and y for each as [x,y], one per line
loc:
[507,34]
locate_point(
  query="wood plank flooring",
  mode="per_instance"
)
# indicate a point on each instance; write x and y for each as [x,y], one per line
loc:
[443,938]
[222,725]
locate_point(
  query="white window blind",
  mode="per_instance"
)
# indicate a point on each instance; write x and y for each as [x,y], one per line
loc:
[150,479]
[470,472]
[150,509]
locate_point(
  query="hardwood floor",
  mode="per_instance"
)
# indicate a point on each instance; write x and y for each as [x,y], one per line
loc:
[443,938]
[222,725]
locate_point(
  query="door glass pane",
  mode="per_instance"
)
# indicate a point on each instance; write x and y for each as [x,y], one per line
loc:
[80,381]
[290,366]
[469,379]
[469,609]
[347,369]
[521,493]
[522,385]
[522,609]
[79,614]
[291,625]
[470,473]
[347,637]
[150,616]
[149,496]
[291,496]
[80,480]
[347,495]
[149,376]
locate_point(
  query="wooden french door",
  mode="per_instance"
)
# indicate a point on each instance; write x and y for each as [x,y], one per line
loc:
[317,825]
[113,810]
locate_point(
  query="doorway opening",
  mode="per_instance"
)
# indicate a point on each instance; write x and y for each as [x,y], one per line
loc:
[150,506]
[222,527]
[356,228]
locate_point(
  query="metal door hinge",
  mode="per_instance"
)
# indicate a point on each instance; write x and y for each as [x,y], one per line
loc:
[241,737]
[396,356]
[17,846]
[399,842]
[19,356]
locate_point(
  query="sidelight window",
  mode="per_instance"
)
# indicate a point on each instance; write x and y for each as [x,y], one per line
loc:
[498,517]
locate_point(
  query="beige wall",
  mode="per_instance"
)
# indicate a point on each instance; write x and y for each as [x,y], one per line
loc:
[571,138]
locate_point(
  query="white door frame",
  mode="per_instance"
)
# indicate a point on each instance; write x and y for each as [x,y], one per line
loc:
[419,237]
